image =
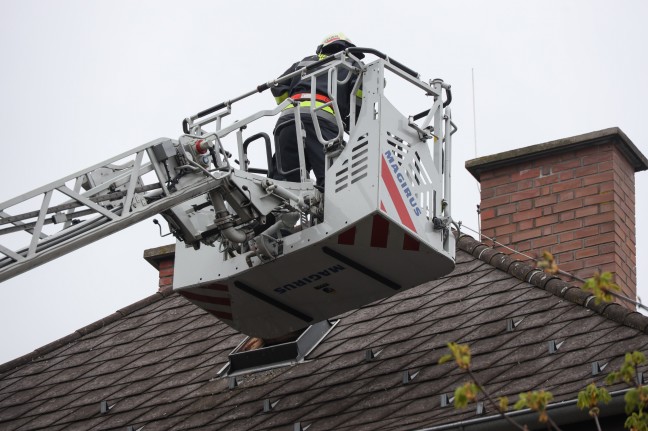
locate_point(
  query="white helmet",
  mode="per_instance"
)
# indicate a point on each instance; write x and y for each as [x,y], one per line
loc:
[334,43]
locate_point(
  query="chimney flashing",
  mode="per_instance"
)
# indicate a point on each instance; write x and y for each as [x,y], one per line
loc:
[515,157]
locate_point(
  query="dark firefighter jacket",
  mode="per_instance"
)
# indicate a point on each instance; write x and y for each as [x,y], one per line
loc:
[298,86]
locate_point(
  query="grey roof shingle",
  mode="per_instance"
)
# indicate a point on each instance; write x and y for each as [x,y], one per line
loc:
[156,362]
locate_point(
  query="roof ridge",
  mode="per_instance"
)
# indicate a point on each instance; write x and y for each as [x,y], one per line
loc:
[552,284]
[111,318]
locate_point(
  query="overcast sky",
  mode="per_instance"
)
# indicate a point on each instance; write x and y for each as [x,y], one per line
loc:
[82,81]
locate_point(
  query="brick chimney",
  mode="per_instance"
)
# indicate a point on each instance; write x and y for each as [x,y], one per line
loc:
[162,259]
[574,197]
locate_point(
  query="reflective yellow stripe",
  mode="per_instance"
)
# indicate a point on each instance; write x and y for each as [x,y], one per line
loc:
[359,94]
[281,98]
[321,56]
[307,103]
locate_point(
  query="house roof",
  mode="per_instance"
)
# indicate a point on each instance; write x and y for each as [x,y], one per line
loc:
[155,364]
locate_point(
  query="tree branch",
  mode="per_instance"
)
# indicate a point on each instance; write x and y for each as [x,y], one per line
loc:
[553,424]
[492,401]
[598,425]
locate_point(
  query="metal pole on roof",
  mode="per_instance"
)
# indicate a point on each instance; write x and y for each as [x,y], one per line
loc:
[472,71]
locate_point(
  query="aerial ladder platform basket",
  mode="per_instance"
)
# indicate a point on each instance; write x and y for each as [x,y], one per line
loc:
[385,224]
[271,257]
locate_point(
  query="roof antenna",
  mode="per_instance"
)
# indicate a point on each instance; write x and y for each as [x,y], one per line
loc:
[474,110]
[472,70]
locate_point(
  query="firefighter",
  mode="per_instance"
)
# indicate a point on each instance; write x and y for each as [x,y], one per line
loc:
[286,157]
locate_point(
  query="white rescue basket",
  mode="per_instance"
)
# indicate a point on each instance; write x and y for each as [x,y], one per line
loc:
[385,226]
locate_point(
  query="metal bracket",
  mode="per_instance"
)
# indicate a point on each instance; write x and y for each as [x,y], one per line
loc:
[424,134]
[268,248]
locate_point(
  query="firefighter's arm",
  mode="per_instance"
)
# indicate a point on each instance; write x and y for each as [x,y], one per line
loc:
[280,94]
[280,91]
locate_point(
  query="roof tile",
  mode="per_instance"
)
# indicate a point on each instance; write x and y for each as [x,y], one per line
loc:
[637,321]
[461,281]
[59,389]
[486,255]
[502,262]
[331,422]
[71,373]
[520,270]
[204,417]
[467,243]
[52,418]
[576,295]
[151,419]
[11,425]
[16,410]
[616,312]
[342,332]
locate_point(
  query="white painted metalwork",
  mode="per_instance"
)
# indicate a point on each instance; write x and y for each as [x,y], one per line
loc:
[270,257]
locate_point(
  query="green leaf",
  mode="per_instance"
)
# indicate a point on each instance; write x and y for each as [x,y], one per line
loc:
[536,401]
[637,422]
[445,358]
[503,404]
[548,263]
[632,400]
[600,285]
[460,353]
[638,358]
[612,377]
[583,401]
[460,398]
[628,369]
[465,394]
[520,403]
[590,397]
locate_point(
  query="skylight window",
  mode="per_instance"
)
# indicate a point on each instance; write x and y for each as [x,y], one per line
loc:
[277,355]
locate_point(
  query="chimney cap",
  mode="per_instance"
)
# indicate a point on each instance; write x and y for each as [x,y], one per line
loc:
[157,254]
[613,134]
